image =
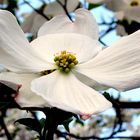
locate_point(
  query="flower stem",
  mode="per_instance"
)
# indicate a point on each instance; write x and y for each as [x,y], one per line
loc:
[50,133]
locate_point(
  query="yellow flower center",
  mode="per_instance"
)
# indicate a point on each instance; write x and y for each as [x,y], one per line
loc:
[65,61]
[134,3]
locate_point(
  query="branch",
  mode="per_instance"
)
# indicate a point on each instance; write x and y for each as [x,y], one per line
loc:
[64,6]
[38,11]
[124,105]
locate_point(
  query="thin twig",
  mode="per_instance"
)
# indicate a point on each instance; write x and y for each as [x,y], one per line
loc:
[64,6]
[38,11]
[102,42]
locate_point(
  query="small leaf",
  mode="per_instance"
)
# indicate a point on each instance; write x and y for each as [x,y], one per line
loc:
[107,96]
[31,123]
[3,104]
[91,6]
[42,122]
[66,124]
[99,121]
[79,121]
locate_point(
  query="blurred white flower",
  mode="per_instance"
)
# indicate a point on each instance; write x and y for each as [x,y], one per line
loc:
[22,133]
[34,21]
[121,30]
[71,51]
[129,9]
[96,1]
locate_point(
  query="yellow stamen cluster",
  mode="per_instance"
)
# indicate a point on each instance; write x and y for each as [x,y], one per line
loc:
[65,61]
[134,3]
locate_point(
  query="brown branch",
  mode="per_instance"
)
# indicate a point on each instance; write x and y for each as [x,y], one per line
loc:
[126,105]
[64,6]
[38,11]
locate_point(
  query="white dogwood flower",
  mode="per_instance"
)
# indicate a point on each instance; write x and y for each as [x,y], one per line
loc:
[78,65]
[129,9]
[61,51]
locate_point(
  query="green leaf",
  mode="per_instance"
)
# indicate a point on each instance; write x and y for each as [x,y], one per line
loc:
[107,96]
[3,104]
[42,122]
[79,121]
[31,123]
[66,124]
[92,6]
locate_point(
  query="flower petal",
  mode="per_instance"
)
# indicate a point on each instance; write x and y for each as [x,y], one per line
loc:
[88,81]
[121,30]
[32,23]
[26,97]
[11,85]
[83,24]
[68,93]
[128,2]
[37,23]
[15,52]
[82,46]
[117,66]
[119,15]
[115,5]
[54,8]
[132,13]
[96,1]
[28,22]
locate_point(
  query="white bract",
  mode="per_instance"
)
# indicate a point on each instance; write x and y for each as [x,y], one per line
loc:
[96,1]
[121,30]
[78,65]
[125,9]
[34,21]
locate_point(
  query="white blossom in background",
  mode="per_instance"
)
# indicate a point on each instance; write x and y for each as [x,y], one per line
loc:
[71,51]
[125,9]
[102,124]
[96,1]
[22,133]
[34,21]
[85,130]
[121,30]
